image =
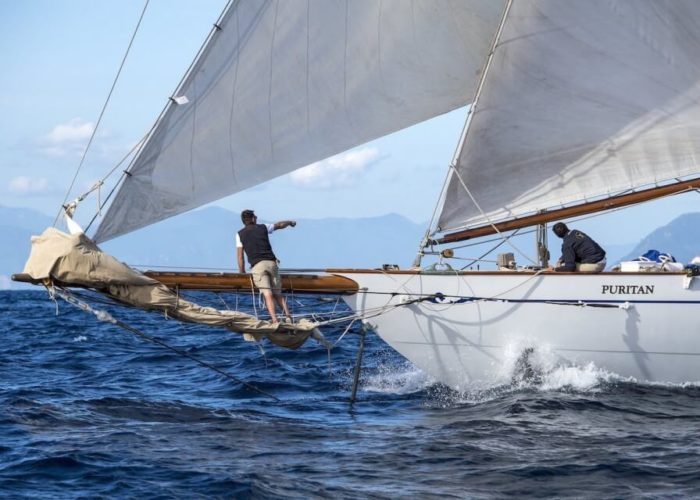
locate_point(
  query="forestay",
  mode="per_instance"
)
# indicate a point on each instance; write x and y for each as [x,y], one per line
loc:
[283,84]
[583,99]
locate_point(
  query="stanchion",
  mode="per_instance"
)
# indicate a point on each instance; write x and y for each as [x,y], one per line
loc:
[358,363]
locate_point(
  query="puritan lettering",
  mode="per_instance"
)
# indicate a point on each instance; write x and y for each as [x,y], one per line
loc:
[627,289]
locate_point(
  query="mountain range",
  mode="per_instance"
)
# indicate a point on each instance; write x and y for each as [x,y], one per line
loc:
[205,239]
[680,238]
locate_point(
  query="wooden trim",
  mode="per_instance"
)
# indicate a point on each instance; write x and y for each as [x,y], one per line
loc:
[299,283]
[508,273]
[568,212]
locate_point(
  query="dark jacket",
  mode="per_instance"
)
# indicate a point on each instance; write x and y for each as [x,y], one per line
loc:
[256,243]
[578,247]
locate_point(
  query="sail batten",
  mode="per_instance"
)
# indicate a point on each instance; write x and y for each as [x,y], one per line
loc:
[283,84]
[583,99]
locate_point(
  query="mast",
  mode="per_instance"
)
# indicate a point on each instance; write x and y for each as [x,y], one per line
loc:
[541,247]
[568,212]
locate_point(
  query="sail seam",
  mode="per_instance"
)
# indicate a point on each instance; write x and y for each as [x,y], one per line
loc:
[233,97]
[308,34]
[269,94]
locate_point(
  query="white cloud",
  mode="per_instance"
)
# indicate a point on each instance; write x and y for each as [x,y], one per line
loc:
[76,130]
[340,170]
[67,137]
[28,185]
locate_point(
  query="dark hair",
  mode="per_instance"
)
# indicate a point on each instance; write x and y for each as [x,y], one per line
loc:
[560,229]
[247,216]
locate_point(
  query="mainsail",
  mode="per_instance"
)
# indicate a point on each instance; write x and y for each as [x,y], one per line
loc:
[582,100]
[282,84]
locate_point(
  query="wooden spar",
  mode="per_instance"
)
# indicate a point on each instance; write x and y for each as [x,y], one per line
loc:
[565,213]
[326,284]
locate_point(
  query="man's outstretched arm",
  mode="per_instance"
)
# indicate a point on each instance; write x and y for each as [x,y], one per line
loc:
[285,223]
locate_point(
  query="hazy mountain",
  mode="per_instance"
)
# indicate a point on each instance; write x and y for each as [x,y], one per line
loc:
[17,225]
[23,218]
[206,238]
[615,253]
[680,238]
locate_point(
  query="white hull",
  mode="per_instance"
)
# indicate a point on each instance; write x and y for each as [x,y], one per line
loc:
[648,329]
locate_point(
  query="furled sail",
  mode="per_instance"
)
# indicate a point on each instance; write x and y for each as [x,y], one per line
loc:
[582,100]
[283,84]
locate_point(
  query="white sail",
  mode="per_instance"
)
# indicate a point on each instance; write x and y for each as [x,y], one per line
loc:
[583,99]
[286,83]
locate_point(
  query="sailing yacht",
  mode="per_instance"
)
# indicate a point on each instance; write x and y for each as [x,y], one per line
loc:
[575,108]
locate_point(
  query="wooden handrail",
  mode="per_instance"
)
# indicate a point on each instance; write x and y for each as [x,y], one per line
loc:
[565,213]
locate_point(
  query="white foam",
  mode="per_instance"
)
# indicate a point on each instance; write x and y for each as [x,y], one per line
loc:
[673,385]
[403,379]
[80,338]
[580,378]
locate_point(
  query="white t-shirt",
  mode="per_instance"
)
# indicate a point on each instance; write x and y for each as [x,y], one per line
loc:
[270,230]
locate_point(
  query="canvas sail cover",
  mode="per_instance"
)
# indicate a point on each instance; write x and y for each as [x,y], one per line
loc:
[583,99]
[286,83]
[75,260]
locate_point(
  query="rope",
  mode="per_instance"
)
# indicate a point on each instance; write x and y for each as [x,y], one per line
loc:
[481,258]
[105,316]
[104,107]
[485,216]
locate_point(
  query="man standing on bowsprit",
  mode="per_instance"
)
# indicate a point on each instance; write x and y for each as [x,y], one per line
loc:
[253,239]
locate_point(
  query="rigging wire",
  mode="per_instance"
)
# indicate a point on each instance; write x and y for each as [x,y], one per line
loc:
[492,249]
[488,219]
[104,107]
[452,170]
[215,29]
[102,203]
[465,129]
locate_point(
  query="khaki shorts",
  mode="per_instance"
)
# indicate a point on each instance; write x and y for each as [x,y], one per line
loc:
[591,268]
[266,276]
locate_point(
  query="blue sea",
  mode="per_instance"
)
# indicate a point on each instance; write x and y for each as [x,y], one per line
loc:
[89,410]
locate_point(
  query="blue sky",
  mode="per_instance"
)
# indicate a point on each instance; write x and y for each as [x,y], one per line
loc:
[59,59]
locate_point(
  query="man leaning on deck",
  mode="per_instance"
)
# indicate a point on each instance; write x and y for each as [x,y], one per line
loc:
[578,251]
